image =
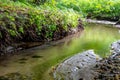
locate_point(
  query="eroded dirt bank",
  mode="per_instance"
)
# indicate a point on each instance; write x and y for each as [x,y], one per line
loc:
[10,44]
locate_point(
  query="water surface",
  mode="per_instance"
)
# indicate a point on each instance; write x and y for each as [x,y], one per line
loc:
[40,61]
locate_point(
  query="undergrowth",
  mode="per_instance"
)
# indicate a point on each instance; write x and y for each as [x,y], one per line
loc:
[46,20]
[100,9]
[22,21]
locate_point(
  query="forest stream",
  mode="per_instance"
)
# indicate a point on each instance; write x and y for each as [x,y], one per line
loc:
[37,62]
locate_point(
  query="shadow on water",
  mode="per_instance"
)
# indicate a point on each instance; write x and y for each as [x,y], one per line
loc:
[40,61]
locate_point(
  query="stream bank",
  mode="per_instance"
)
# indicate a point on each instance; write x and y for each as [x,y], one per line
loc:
[21,23]
[8,49]
[113,23]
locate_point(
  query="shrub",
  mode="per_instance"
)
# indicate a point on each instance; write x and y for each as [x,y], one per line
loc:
[101,9]
[28,23]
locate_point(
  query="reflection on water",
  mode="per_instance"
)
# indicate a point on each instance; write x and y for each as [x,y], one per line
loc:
[39,60]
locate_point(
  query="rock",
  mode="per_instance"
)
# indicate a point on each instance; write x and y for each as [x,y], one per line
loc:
[115,49]
[85,73]
[77,67]
[109,68]
[89,66]
[100,22]
[10,49]
[118,22]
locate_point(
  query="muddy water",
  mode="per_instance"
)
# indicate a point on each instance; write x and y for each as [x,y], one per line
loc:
[38,62]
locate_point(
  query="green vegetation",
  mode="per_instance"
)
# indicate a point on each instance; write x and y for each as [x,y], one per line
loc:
[47,20]
[19,18]
[40,20]
[24,20]
[32,15]
[100,9]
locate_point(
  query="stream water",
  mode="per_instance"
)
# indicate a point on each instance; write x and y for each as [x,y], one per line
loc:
[39,62]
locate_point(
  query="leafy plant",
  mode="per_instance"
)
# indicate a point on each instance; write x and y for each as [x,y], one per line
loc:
[101,9]
[23,20]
